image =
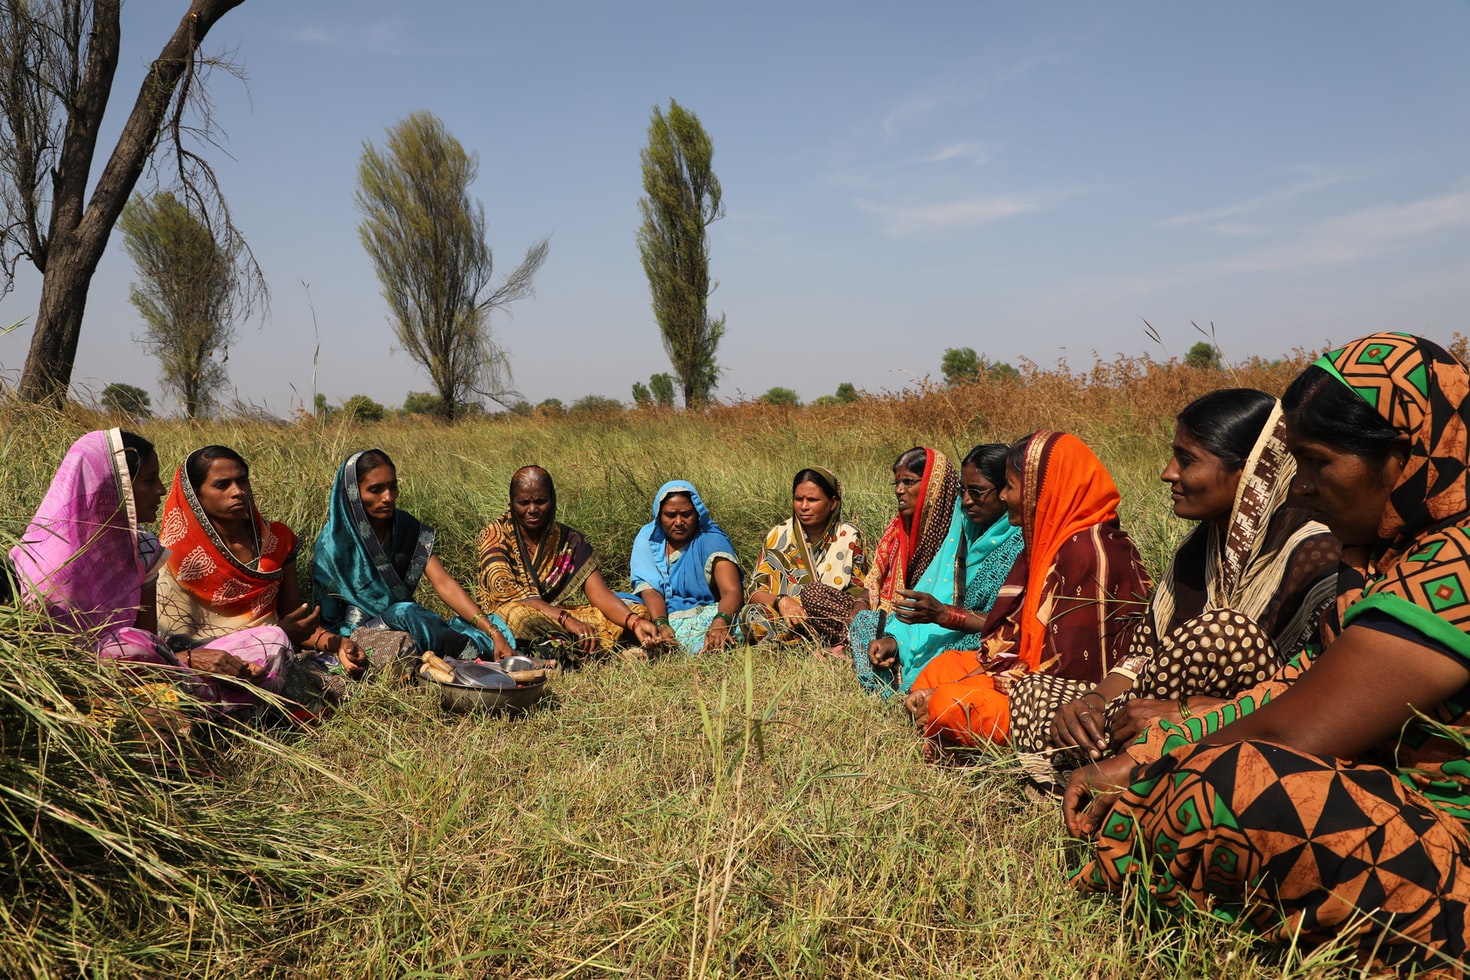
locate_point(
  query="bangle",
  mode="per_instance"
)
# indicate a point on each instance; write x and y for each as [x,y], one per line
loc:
[479,616]
[628,622]
[561,618]
[1102,702]
[721,614]
[1184,713]
[661,621]
[955,617]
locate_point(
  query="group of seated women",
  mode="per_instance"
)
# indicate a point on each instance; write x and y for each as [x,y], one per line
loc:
[1279,731]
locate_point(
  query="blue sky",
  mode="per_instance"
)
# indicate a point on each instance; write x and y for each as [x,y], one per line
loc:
[1031,180]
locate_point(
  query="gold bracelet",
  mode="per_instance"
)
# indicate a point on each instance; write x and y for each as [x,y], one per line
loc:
[1184,713]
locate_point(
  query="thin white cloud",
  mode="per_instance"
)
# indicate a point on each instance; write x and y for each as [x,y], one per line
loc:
[969,152]
[1317,178]
[944,96]
[1350,237]
[901,220]
[380,36]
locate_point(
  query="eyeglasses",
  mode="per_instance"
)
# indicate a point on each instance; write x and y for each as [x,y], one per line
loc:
[904,482]
[974,494]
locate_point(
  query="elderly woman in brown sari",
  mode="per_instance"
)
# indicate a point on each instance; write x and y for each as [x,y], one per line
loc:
[541,576]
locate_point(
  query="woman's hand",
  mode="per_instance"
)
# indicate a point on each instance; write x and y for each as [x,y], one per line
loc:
[208,661]
[501,646]
[917,607]
[1092,791]
[584,636]
[790,609]
[716,636]
[300,623]
[1137,714]
[1082,723]
[917,703]
[882,652]
[351,656]
[646,633]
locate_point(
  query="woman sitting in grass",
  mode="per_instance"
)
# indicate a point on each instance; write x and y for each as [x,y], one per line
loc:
[938,568]
[1243,594]
[810,574]
[1331,802]
[684,571]
[1069,607]
[232,573]
[369,559]
[85,559]
[541,576]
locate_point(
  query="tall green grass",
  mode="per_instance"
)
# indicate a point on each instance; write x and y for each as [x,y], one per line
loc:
[749,813]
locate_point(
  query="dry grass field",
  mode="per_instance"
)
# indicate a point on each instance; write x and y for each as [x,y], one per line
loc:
[748,814]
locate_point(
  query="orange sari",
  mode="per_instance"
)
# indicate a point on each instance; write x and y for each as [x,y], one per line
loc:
[1069,606]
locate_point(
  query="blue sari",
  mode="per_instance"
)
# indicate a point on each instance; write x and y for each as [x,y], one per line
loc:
[968,570]
[684,582]
[361,585]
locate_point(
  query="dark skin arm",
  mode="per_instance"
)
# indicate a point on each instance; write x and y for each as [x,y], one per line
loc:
[301,623]
[607,602]
[1360,691]
[456,598]
[653,601]
[727,589]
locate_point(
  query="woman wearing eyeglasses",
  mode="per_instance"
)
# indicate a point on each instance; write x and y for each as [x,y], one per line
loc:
[938,567]
[1071,603]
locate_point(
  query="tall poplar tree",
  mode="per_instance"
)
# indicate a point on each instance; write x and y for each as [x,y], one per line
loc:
[426,238]
[188,292]
[683,199]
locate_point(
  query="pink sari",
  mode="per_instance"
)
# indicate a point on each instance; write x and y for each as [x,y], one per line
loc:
[80,560]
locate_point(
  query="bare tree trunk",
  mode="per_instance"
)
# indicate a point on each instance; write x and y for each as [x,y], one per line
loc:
[79,235]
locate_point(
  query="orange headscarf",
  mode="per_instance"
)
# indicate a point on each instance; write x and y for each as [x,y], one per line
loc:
[1065,489]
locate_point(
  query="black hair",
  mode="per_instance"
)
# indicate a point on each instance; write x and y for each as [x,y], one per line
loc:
[1324,409]
[1227,422]
[912,460]
[817,477]
[136,450]
[1016,454]
[197,466]
[369,460]
[990,459]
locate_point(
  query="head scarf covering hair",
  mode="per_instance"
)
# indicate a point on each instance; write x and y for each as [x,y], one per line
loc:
[221,593]
[79,557]
[684,583]
[1247,569]
[1065,489]
[908,548]
[355,577]
[1422,576]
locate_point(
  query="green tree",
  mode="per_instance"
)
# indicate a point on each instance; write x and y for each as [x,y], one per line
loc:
[187,294]
[683,199]
[426,238]
[551,406]
[662,386]
[57,64]
[781,396]
[125,399]
[642,397]
[846,393]
[1203,355]
[960,364]
[596,405]
[320,407]
[522,408]
[361,408]
[422,403]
